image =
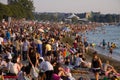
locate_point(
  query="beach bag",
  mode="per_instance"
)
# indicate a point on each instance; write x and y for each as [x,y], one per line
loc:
[34,72]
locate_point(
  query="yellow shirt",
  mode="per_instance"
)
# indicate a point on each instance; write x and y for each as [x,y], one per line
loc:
[48,47]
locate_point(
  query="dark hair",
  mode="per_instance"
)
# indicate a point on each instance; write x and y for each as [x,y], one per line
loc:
[0,71]
[95,53]
[0,56]
[23,68]
[81,56]
[40,60]
[67,63]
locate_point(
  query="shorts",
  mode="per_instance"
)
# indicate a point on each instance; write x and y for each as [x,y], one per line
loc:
[49,53]
[55,53]
[96,70]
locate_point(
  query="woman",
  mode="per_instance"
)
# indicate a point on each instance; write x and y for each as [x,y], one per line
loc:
[109,69]
[96,65]
[32,67]
[16,66]
[59,72]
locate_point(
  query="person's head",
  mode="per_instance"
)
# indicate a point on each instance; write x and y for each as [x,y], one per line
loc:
[95,55]
[81,56]
[53,63]
[47,58]
[107,62]
[7,59]
[41,59]
[77,54]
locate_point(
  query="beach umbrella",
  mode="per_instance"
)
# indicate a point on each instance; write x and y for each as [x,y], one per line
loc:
[41,30]
[66,29]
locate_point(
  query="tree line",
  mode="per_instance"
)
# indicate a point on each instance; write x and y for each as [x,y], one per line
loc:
[62,16]
[18,9]
[106,18]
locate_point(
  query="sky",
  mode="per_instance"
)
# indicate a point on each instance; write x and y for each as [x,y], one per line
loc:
[77,6]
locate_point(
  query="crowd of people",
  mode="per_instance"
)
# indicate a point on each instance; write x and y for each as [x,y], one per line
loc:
[35,51]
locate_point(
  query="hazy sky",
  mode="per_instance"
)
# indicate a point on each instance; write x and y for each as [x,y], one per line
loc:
[76,6]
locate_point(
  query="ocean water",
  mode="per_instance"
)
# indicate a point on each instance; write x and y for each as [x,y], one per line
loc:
[109,34]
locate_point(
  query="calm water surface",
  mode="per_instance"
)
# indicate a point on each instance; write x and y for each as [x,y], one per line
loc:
[110,34]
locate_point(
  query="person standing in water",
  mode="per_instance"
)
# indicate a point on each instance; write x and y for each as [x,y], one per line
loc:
[110,51]
[108,45]
[103,43]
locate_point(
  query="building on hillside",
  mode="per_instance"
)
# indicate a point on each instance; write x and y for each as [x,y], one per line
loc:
[74,18]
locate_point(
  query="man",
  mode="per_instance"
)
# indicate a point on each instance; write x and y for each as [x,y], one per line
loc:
[25,49]
[1,42]
[48,68]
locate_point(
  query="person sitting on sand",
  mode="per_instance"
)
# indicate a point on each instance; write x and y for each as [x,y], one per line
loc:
[109,69]
[59,72]
[85,64]
[78,60]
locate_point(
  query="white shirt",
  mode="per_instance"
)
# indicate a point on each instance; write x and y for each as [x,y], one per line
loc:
[47,66]
[10,65]
[25,45]
[15,68]
[9,55]
[3,64]
[13,35]
[78,61]
[1,40]
[42,65]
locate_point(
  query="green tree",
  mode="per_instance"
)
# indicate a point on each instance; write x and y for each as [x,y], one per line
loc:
[4,11]
[18,9]
[28,8]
